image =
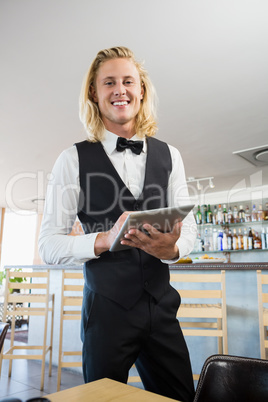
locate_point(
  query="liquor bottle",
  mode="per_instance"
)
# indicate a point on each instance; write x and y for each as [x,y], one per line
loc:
[235,240]
[260,215]
[200,243]
[266,212]
[245,240]
[206,240]
[250,239]
[214,216]
[224,241]
[240,239]
[219,215]
[198,216]
[230,215]
[247,214]
[210,239]
[215,239]
[263,240]
[254,216]
[204,213]
[196,244]
[219,240]
[230,240]
[241,214]
[209,215]
[225,215]
[257,241]
[235,214]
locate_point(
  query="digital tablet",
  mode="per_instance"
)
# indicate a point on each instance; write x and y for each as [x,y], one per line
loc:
[162,219]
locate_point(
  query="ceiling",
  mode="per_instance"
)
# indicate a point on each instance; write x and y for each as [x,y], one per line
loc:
[207,59]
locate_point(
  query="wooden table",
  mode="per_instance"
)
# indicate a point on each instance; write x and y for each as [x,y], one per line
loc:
[105,390]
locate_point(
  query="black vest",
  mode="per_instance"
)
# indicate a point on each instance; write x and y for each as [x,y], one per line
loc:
[121,276]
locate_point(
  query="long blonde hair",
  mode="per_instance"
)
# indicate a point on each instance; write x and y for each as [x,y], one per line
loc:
[89,111]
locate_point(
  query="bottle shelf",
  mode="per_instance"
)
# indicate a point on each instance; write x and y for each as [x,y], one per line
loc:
[229,251]
[222,225]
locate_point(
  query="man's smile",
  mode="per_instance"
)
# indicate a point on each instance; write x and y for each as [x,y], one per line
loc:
[120,103]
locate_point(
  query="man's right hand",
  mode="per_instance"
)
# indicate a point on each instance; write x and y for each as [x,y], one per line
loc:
[104,240]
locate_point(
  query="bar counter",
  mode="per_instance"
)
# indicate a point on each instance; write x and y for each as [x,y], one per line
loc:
[250,266]
[242,310]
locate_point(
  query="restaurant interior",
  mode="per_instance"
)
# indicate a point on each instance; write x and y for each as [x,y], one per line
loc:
[208,62]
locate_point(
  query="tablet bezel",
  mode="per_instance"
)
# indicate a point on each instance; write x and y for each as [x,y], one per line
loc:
[162,218]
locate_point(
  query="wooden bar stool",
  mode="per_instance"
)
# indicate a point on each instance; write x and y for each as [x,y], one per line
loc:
[29,299]
[207,318]
[262,280]
[71,303]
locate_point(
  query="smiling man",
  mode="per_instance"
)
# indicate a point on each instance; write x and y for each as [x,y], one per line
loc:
[129,308]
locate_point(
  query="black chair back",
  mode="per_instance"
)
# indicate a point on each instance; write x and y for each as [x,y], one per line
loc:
[3,331]
[227,378]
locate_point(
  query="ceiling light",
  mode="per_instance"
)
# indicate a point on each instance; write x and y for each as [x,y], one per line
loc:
[211,184]
[198,185]
[198,180]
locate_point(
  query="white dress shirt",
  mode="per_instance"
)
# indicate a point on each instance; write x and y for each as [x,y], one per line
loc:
[60,211]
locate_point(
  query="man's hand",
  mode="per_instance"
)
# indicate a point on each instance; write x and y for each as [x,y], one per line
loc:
[104,240]
[158,244]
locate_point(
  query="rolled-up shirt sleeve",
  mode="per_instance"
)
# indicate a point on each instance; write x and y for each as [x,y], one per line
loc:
[60,212]
[178,195]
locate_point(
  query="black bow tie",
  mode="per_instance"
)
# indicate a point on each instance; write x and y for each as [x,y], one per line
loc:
[123,143]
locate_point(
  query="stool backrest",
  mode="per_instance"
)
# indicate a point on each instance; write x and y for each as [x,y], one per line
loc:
[232,378]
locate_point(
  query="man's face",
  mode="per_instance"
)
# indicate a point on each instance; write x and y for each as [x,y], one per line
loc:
[118,92]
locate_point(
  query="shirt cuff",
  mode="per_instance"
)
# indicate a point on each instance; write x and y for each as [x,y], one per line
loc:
[83,247]
[183,247]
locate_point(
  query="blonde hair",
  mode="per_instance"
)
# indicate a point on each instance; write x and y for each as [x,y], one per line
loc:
[89,111]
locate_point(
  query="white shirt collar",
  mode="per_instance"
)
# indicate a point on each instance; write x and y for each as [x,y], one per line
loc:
[110,139]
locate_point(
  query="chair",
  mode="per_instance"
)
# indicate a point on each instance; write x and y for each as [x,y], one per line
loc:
[207,319]
[29,299]
[231,378]
[3,332]
[262,280]
[71,302]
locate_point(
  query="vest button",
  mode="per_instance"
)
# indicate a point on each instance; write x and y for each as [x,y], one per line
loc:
[145,266]
[146,283]
[137,206]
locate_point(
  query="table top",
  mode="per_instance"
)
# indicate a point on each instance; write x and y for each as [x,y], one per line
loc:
[105,390]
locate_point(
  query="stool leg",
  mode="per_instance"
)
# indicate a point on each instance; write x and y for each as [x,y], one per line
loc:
[12,335]
[51,336]
[44,351]
[220,338]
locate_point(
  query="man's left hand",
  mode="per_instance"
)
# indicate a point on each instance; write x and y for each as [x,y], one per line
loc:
[158,244]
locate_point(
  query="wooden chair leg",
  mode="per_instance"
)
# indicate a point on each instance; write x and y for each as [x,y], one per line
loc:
[12,335]
[51,336]
[220,338]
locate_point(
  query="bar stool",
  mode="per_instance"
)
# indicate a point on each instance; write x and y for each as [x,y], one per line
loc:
[26,298]
[262,280]
[208,319]
[71,303]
